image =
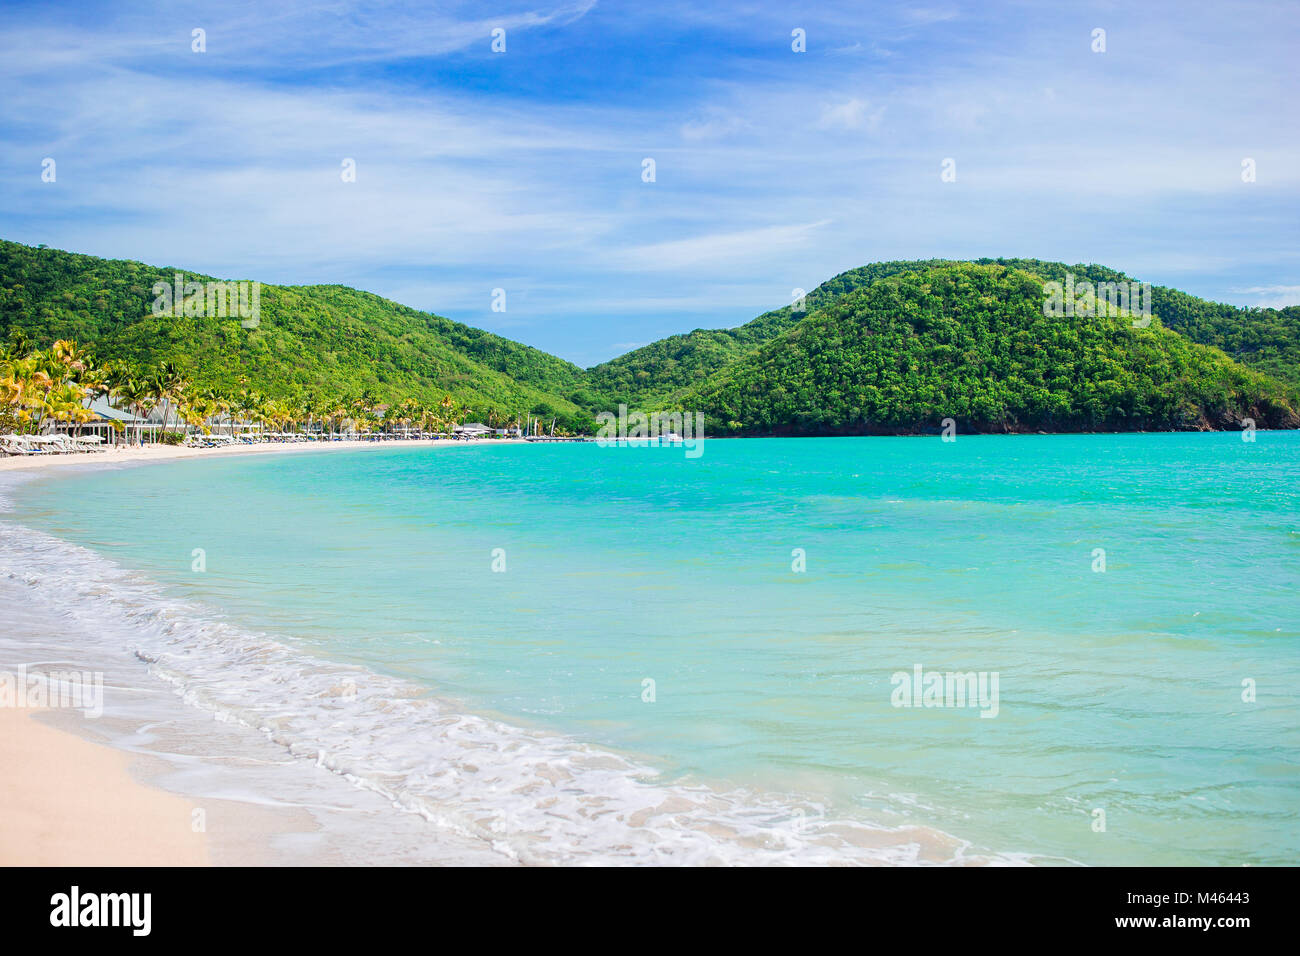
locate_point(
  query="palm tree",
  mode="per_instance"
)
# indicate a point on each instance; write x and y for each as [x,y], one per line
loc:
[95,379]
[19,345]
[214,404]
[46,373]
[428,420]
[64,404]
[448,406]
[138,394]
[168,383]
[21,387]
[67,353]
[247,403]
[238,409]
[361,412]
[315,409]
[405,412]
[338,413]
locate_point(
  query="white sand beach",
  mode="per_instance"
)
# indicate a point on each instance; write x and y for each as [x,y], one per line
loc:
[68,802]
[147,454]
[155,781]
[257,744]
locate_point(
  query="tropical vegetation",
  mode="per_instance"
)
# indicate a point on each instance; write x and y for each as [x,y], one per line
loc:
[1264,339]
[60,383]
[888,347]
[972,343]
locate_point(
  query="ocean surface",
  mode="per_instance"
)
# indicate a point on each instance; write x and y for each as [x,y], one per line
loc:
[572,653]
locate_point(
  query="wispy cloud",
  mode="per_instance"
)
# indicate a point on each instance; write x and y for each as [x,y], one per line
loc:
[775,169]
[851,114]
[254,34]
[1272,296]
[717,249]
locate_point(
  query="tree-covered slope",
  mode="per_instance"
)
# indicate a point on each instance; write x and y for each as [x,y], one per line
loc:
[1264,339]
[971,342]
[310,339]
[783,371]
[524,364]
[1267,339]
[656,372]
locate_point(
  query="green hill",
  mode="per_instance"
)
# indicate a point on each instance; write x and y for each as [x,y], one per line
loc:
[890,346]
[328,340]
[661,370]
[1266,339]
[971,342]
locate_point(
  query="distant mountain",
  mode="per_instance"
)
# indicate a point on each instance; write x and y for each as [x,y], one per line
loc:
[971,343]
[890,346]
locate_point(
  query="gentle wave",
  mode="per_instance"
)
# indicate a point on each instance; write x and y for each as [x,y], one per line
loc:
[534,797]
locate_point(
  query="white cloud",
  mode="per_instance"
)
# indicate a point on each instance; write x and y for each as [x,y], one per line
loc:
[715,124]
[1272,296]
[771,173]
[710,251]
[851,114]
[251,33]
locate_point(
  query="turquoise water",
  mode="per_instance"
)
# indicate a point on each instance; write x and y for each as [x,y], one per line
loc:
[1119,690]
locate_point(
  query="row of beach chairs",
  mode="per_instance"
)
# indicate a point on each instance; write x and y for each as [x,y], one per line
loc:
[17,446]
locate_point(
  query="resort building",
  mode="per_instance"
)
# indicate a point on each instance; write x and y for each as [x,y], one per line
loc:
[132,427]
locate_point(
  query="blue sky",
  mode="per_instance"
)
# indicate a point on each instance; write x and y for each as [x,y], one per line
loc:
[774,170]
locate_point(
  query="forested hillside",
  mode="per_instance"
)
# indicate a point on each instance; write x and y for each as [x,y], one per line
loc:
[1267,339]
[310,340]
[971,343]
[890,346]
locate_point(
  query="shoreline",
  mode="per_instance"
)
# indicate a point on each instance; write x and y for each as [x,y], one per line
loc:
[165,783]
[156,781]
[157,454]
[280,808]
[153,454]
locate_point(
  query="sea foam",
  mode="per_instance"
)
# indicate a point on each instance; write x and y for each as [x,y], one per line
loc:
[534,797]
